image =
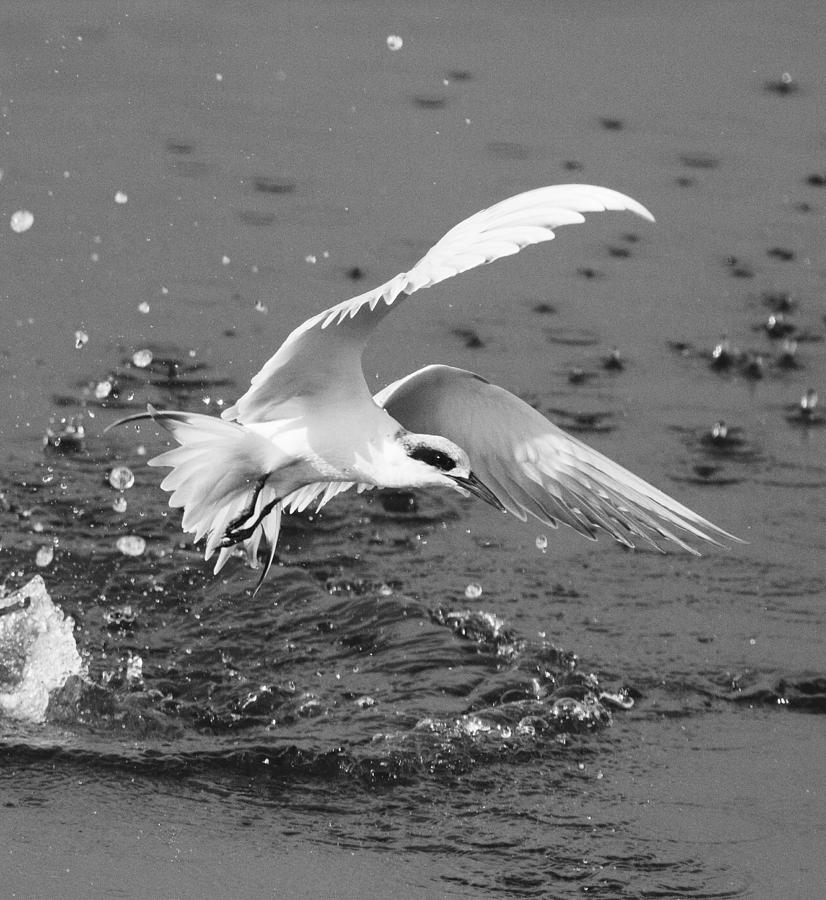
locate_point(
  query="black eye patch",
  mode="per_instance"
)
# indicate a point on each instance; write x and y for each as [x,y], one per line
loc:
[434,458]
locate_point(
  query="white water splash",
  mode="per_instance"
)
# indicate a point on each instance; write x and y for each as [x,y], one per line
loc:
[37,651]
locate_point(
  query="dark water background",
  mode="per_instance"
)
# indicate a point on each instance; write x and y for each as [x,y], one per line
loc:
[367,725]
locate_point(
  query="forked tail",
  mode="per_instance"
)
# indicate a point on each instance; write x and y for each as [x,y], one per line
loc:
[221,478]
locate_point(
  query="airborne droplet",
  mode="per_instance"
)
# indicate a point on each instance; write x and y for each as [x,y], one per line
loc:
[21,221]
[131,545]
[121,478]
[473,591]
[45,555]
[141,358]
[103,389]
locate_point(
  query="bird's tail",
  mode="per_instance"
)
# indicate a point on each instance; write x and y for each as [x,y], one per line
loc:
[220,477]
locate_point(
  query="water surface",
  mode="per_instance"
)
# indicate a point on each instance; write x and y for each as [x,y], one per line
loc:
[202,178]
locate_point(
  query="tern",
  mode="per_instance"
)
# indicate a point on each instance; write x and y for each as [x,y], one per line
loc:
[309,428]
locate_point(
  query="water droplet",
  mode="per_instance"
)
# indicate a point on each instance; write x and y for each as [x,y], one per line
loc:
[121,197]
[808,401]
[141,358]
[131,545]
[119,504]
[143,307]
[45,555]
[542,542]
[225,260]
[103,389]
[394,42]
[473,591]
[81,339]
[121,478]
[21,221]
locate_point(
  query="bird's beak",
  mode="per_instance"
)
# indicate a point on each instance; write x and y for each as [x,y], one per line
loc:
[472,485]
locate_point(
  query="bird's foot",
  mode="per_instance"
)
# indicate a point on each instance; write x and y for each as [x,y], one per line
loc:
[236,533]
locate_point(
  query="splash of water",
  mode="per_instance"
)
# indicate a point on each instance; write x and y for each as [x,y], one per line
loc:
[37,651]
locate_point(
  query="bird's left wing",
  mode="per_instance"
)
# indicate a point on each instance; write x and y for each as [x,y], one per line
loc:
[321,359]
[535,468]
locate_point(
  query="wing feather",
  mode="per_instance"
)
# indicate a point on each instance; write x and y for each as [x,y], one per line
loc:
[323,491]
[319,362]
[535,468]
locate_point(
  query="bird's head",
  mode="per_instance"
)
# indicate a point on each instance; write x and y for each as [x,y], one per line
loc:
[434,461]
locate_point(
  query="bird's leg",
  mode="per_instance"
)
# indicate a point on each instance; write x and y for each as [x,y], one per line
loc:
[235,533]
[234,536]
[249,509]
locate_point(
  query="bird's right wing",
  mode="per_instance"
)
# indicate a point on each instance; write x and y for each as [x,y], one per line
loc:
[320,362]
[535,468]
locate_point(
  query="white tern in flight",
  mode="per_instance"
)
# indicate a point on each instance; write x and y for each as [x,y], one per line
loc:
[308,428]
